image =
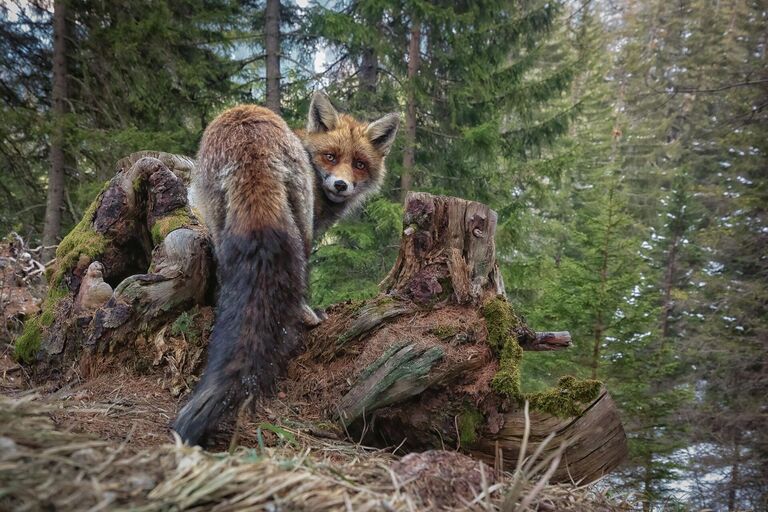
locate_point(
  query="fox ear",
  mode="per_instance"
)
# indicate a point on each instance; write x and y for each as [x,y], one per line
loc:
[322,116]
[382,132]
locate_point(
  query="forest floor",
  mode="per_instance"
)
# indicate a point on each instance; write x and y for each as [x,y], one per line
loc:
[106,443]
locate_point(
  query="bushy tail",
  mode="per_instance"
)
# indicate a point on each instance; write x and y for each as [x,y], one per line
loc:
[261,279]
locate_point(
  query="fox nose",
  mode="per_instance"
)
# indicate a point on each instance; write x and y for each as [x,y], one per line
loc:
[340,185]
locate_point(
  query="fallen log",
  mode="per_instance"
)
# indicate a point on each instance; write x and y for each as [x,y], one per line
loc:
[433,361]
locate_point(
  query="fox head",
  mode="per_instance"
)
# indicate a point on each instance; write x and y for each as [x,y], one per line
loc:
[348,155]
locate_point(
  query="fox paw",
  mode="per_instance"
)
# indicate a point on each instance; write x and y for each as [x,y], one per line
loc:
[312,317]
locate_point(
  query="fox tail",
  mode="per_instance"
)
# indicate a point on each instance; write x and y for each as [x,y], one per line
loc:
[261,270]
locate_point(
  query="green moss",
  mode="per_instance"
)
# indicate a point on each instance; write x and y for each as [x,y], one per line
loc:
[376,305]
[28,343]
[353,307]
[507,380]
[444,331]
[137,181]
[567,398]
[48,313]
[81,241]
[469,422]
[501,321]
[171,222]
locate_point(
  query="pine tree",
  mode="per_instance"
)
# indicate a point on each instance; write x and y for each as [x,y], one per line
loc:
[25,68]
[696,113]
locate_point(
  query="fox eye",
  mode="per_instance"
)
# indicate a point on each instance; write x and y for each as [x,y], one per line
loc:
[359,164]
[330,157]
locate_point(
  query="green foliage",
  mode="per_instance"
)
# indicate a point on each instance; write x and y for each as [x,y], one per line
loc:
[191,325]
[284,435]
[623,147]
[141,75]
[355,255]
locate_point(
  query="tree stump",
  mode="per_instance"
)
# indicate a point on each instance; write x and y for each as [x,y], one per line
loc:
[140,238]
[433,361]
[448,252]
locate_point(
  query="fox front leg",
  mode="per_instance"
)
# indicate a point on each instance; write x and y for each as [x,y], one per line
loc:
[312,317]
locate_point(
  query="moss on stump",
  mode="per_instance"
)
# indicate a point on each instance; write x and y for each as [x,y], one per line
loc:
[565,400]
[179,218]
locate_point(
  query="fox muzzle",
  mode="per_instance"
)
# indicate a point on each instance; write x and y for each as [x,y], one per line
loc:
[336,189]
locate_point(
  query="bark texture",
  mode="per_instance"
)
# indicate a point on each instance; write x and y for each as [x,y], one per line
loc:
[409,151]
[369,71]
[139,238]
[272,46]
[55,196]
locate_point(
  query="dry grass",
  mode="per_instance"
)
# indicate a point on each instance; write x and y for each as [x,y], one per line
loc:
[42,467]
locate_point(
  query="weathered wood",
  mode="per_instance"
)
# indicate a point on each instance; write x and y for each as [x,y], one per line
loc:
[437,392]
[371,316]
[434,393]
[447,253]
[548,341]
[141,237]
[594,438]
[400,373]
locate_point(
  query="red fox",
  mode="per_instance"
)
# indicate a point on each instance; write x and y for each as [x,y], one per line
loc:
[265,193]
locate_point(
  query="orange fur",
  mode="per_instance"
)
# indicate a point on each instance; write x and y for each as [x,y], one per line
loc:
[349,141]
[264,192]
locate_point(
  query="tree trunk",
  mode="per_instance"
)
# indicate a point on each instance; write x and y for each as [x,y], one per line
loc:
[272,46]
[369,71]
[409,152]
[432,362]
[669,283]
[55,197]
[735,484]
[446,241]
[648,492]
[599,327]
[416,366]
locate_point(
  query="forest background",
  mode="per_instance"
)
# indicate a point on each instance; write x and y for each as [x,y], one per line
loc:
[623,144]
